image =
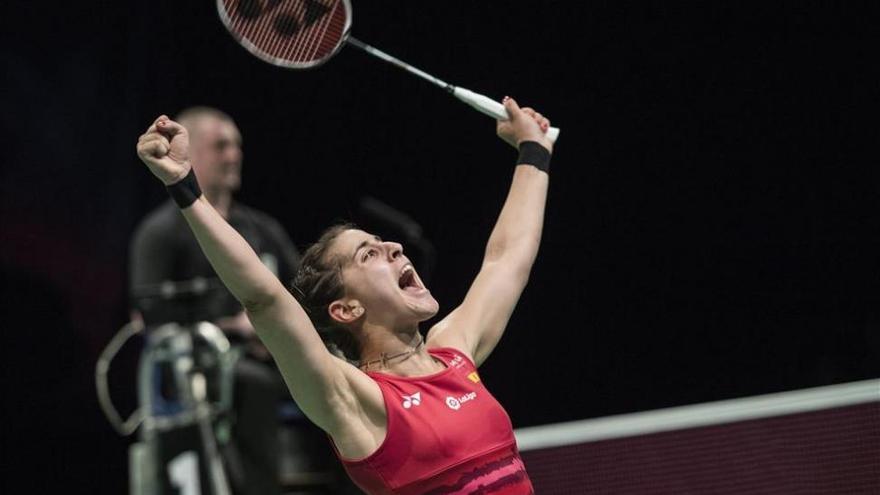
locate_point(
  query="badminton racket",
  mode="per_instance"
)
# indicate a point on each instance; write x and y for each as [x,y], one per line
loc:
[301,34]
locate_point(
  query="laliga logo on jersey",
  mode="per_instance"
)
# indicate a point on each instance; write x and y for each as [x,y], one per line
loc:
[412,400]
[455,404]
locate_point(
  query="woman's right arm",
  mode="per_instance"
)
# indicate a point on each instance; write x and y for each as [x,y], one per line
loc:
[320,382]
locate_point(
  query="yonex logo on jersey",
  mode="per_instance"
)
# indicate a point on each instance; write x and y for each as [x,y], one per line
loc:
[412,400]
[457,362]
[455,404]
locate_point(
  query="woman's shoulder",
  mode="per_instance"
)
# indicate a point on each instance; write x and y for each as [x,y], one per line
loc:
[444,337]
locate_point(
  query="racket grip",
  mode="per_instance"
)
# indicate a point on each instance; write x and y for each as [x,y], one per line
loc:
[492,108]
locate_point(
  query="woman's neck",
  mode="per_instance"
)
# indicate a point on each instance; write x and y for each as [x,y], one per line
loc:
[401,353]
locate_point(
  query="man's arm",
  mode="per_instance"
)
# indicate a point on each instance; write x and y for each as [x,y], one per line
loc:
[288,254]
[150,263]
[479,322]
[281,256]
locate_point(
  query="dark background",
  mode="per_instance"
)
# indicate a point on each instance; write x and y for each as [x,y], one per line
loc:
[712,225]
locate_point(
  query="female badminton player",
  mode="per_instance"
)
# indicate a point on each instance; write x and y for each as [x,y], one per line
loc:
[405,415]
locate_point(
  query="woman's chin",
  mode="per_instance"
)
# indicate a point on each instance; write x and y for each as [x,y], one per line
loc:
[425,309]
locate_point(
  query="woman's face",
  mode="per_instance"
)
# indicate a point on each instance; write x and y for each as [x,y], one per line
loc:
[382,280]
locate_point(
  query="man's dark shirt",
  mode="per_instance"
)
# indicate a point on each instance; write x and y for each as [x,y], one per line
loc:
[164,249]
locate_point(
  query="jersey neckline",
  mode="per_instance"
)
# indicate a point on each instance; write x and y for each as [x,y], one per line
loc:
[432,352]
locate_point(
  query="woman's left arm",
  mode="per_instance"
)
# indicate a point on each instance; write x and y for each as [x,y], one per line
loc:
[476,326]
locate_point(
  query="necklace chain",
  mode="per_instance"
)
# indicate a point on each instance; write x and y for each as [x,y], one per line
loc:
[385,358]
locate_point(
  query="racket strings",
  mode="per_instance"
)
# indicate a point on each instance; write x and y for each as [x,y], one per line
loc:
[288,31]
[311,47]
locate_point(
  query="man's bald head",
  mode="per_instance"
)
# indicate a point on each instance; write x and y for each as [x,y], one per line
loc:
[192,117]
[215,149]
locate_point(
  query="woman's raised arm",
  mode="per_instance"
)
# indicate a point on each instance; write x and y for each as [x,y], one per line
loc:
[478,323]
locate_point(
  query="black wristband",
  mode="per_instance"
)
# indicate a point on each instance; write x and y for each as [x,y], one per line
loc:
[532,153]
[186,191]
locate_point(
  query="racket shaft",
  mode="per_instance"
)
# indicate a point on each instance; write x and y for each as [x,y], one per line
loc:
[481,103]
[396,61]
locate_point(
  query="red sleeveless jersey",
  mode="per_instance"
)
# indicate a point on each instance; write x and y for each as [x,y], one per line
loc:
[446,435]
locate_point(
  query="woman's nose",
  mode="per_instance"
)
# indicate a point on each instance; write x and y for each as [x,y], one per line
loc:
[394,250]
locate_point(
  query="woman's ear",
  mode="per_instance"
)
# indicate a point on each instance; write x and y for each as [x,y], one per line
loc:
[345,311]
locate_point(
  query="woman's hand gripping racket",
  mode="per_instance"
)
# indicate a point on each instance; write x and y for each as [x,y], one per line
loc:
[299,34]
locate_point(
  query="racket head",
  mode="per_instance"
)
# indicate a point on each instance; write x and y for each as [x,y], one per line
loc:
[295,34]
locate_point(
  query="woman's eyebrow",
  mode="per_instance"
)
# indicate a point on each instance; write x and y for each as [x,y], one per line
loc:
[365,243]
